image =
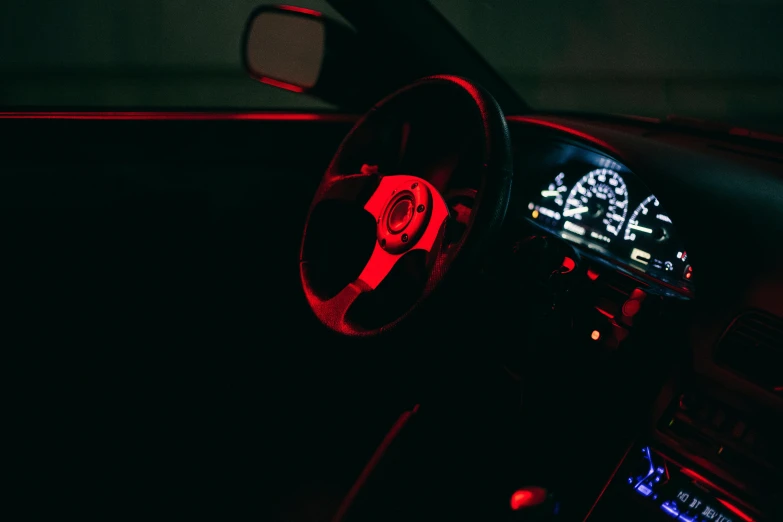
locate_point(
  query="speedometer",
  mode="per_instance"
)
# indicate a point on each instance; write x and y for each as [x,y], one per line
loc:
[597,205]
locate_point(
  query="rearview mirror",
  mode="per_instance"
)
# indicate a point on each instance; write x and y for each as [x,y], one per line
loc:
[303,51]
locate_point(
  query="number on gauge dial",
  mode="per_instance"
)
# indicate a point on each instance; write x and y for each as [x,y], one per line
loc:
[598,203]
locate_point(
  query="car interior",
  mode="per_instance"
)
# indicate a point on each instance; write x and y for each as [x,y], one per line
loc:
[497,313]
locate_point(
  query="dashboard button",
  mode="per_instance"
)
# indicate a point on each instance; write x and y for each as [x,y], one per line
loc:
[631,307]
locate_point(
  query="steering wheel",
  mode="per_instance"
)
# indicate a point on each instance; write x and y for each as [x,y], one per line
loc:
[412,195]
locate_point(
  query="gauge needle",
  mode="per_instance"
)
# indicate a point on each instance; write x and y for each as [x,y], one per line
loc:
[579,210]
[549,193]
[637,227]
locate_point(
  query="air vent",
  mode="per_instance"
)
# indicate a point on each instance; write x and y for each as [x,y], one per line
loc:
[753,347]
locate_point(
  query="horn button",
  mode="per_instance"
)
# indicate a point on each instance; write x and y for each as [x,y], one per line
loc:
[405,215]
[400,215]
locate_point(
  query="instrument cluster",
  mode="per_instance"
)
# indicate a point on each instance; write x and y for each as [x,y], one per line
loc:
[598,204]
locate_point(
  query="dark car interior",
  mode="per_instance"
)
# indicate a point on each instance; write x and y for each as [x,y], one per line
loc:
[496,314]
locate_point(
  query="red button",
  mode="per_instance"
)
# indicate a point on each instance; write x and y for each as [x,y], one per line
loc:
[631,307]
[527,497]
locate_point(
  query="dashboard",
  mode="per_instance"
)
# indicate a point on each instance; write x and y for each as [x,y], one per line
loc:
[604,209]
[642,205]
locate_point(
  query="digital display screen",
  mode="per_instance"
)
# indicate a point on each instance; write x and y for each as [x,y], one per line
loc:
[677,494]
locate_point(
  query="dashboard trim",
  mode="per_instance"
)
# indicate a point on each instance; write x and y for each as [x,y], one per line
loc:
[178,116]
[615,264]
[568,130]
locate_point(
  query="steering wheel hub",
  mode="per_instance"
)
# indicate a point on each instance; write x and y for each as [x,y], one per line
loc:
[405,214]
[400,215]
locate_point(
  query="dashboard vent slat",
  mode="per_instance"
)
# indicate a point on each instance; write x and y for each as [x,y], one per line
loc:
[752,347]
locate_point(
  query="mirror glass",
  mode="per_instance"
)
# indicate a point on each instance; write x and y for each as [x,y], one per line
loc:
[287,47]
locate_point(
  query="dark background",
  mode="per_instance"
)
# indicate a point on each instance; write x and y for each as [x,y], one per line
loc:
[716,59]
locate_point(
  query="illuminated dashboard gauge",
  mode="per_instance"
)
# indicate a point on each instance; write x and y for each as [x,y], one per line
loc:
[648,222]
[596,206]
[650,230]
[549,208]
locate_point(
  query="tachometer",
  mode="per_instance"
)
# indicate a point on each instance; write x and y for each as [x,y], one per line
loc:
[597,205]
[651,232]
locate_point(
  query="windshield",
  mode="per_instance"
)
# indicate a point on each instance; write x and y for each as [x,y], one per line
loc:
[101,54]
[711,59]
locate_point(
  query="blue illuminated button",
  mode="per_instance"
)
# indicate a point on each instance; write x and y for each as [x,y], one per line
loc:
[687,519]
[670,508]
[644,490]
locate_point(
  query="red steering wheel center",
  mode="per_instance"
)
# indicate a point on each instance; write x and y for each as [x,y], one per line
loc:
[403,205]
[400,215]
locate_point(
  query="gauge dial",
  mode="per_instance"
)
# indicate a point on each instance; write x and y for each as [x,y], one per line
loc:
[597,205]
[549,208]
[648,222]
[650,231]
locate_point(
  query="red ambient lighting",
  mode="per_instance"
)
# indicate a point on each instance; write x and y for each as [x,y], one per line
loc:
[302,10]
[527,497]
[734,509]
[178,116]
[562,128]
[282,85]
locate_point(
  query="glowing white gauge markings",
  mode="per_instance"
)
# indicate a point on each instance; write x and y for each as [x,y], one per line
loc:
[640,229]
[552,196]
[600,201]
[576,229]
[571,211]
[643,210]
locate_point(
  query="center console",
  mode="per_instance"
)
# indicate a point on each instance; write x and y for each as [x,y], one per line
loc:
[705,459]
[653,484]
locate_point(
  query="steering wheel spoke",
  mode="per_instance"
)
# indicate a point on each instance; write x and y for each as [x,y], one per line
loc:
[385,255]
[334,310]
[378,267]
[346,187]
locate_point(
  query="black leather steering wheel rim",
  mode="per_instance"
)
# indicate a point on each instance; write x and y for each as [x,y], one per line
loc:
[448,95]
